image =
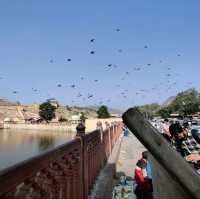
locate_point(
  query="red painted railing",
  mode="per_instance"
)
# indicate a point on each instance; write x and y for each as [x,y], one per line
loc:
[66,172]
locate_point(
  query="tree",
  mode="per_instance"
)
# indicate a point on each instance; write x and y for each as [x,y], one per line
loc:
[165,112]
[149,110]
[62,119]
[47,111]
[82,117]
[186,102]
[103,112]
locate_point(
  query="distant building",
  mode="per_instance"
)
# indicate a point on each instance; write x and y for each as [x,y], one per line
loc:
[75,119]
[7,120]
[115,115]
[54,103]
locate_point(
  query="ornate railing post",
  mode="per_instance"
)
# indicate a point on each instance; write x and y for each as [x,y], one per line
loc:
[81,134]
[109,137]
[100,128]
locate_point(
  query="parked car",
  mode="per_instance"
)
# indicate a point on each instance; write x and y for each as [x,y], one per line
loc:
[195,122]
[196,133]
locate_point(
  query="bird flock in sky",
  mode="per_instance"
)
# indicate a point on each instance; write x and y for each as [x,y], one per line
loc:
[170,81]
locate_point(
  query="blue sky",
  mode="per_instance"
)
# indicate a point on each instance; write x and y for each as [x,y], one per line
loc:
[37,38]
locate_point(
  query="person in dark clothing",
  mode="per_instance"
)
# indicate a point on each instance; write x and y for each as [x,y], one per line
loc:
[186,145]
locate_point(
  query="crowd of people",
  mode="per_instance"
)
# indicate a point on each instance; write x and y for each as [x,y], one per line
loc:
[180,138]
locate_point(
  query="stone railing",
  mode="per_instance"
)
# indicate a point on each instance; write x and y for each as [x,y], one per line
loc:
[66,172]
[172,176]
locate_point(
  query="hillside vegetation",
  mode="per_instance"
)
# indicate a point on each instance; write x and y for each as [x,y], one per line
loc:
[12,110]
[185,103]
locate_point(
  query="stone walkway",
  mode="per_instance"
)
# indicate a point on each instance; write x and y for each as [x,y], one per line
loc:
[130,152]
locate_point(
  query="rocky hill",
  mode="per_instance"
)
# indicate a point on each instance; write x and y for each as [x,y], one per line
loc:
[5,102]
[19,112]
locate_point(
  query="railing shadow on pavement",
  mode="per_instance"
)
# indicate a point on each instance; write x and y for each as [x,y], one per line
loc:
[173,177]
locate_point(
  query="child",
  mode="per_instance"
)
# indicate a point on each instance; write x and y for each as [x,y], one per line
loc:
[143,189]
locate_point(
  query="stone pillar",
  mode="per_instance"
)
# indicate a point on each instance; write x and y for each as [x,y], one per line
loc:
[107,124]
[80,130]
[80,133]
[109,137]
[99,126]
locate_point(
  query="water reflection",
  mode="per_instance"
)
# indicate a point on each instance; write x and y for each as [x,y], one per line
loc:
[19,145]
[45,143]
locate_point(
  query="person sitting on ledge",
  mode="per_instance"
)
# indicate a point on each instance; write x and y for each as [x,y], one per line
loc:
[185,144]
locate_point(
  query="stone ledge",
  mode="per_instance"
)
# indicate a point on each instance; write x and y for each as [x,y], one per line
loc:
[104,184]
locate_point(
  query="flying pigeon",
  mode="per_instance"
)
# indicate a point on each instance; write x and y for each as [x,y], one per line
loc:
[90,96]
[92,52]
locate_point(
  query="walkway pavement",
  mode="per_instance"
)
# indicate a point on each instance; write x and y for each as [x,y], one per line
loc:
[130,152]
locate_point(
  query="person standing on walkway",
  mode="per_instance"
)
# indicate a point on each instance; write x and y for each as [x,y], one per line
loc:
[125,130]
